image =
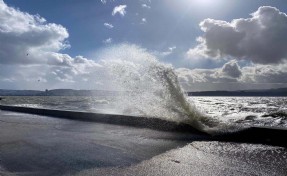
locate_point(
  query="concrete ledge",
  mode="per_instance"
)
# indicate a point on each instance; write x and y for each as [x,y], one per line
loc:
[135,121]
[261,135]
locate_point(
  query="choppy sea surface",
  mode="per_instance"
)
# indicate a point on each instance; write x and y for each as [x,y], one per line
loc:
[259,111]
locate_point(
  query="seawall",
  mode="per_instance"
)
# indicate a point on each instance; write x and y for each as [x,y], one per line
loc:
[263,135]
[135,121]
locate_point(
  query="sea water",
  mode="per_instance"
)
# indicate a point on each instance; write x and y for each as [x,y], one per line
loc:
[248,111]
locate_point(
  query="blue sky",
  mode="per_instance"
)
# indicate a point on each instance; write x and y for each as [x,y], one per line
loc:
[168,29]
[169,23]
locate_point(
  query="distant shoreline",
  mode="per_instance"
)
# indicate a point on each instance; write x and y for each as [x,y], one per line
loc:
[245,93]
[281,92]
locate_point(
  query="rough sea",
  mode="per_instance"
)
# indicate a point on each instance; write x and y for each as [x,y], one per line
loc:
[247,111]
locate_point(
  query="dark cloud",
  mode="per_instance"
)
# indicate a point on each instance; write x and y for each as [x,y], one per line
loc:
[261,38]
[231,69]
[265,74]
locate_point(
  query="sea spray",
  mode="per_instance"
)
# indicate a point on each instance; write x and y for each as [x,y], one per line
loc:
[150,88]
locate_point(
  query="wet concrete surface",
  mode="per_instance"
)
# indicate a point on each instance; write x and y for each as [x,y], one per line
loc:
[207,159]
[39,145]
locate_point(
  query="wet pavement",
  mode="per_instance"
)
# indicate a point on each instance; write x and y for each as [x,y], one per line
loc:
[39,145]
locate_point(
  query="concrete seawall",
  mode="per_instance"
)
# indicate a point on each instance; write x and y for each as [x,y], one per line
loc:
[135,121]
[262,135]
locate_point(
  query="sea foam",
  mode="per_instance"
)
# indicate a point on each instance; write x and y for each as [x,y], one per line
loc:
[151,88]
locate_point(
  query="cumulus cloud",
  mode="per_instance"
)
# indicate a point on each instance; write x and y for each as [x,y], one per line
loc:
[30,52]
[260,38]
[50,76]
[230,69]
[232,73]
[265,74]
[121,10]
[31,58]
[108,25]
[25,38]
[53,75]
[228,73]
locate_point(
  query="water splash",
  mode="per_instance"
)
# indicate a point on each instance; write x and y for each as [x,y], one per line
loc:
[151,88]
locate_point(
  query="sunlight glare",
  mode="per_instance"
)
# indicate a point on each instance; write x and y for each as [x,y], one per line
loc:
[203,2]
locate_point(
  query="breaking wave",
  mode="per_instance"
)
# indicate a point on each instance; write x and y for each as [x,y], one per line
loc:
[151,88]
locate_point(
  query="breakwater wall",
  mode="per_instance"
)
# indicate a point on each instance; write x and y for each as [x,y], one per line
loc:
[263,135]
[135,121]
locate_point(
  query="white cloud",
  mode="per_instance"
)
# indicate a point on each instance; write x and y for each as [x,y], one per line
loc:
[26,38]
[146,6]
[104,1]
[229,72]
[247,77]
[108,41]
[51,76]
[258,39]
[121,10]
[30,52]
[108,25]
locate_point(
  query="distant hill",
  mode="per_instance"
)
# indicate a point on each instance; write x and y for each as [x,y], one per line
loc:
[4,92]
[55,92]
[71,92]
[263,92]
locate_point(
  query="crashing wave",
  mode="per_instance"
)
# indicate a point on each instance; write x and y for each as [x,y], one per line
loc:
[151,88]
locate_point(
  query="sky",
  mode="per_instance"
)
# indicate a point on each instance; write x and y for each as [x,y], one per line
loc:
[211,44]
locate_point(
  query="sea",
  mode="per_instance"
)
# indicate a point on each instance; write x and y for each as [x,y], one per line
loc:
[244,111]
